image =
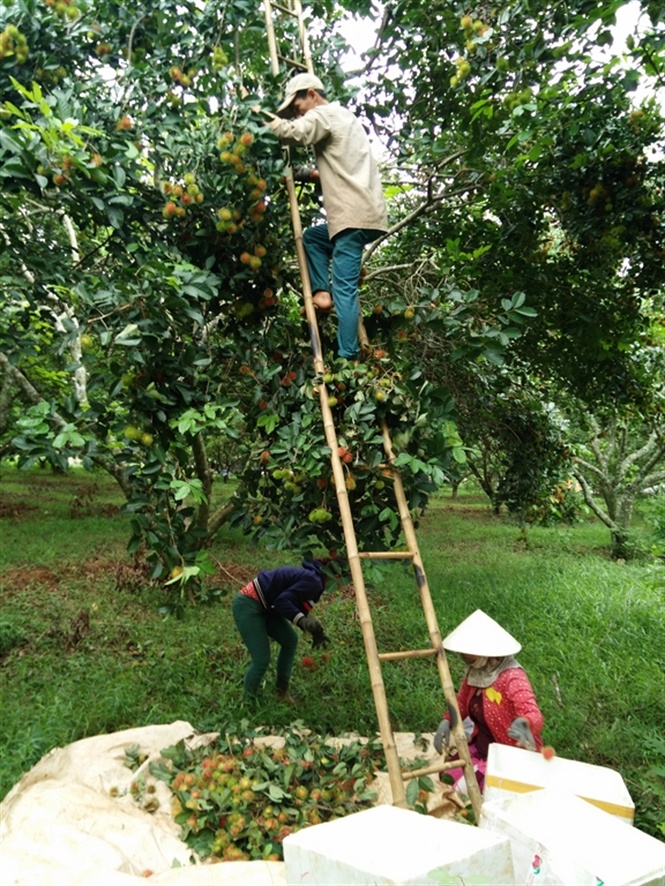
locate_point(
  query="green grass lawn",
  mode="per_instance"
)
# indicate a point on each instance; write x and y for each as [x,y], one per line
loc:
[85,647]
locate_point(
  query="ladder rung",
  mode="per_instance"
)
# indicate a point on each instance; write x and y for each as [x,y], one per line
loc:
[385,555]
[284,9]
[292,61]
[409,653]
[435,767]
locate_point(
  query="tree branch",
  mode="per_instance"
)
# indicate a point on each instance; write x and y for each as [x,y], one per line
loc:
[589,499]
[219,518]
[590,468]
[424,208]
[204,474]
[652,480]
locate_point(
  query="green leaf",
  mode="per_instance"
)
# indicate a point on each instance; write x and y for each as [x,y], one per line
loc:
[412,791]
[269,421]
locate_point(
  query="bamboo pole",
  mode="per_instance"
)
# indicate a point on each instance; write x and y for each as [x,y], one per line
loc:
[432,624]
[310,311]
[272,40]
[302,35]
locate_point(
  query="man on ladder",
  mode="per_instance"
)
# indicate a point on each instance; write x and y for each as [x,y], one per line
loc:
[352,197]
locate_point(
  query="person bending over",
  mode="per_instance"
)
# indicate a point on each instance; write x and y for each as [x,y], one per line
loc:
[267,609]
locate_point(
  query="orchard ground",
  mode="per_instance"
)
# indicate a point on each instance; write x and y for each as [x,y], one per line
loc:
[87,646]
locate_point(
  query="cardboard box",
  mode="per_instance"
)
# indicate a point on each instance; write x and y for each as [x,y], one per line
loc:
[558,839]
[388,846]
[516,771]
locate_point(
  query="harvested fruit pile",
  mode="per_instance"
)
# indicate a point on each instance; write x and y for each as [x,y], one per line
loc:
[238,798]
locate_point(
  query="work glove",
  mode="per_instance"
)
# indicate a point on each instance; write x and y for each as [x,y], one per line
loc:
[520,732]
[442,737]
[319,639]
[315,628]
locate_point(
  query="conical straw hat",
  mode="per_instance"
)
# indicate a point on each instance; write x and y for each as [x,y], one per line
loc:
[481,635]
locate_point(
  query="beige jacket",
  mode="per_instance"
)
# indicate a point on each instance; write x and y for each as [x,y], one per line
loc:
[350,181]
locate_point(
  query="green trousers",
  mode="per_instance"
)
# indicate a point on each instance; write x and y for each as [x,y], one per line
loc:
[257,627]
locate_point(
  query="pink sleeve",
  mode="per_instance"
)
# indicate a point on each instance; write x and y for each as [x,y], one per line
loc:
[523,702]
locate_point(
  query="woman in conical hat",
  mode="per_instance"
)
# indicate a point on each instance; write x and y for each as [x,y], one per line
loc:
[496,701]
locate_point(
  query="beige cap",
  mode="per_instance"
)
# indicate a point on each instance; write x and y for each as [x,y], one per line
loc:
[481,635]
[295,85]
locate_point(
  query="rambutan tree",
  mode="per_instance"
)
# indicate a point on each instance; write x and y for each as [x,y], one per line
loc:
[150,321]
[151,314]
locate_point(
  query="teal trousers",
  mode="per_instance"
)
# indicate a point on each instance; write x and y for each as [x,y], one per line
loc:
[334,266]
[257,627]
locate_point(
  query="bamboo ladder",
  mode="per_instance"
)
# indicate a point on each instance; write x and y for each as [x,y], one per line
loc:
[397,777]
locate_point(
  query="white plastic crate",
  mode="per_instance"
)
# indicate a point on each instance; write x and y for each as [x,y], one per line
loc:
[513,771]
[388,846]
[558,839]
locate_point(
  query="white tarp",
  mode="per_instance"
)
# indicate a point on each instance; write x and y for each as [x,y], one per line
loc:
[61,825]
[72,821]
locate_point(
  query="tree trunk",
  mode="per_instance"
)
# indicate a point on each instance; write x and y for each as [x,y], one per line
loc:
[623,548]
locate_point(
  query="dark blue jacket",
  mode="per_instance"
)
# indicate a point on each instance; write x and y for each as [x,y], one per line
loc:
[291,591]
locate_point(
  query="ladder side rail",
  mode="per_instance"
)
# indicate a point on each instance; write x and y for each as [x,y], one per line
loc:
[355,565]
[272,40]
[302,36]
[310,311]
[294,9]
[432,623]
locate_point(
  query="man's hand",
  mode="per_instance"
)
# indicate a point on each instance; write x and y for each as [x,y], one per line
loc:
[442,737]
[257,109]
[520,732]
[306,174]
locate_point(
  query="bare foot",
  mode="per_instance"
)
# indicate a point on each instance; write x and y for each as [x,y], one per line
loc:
[322,301]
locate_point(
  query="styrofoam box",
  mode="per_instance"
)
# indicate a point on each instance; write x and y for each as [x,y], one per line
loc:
[387,846]
[516,771]
[558,839]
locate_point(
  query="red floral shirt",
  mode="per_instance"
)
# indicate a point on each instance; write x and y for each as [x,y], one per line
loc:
[510,696]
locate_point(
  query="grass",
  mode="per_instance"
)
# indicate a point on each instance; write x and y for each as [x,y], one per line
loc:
[85,651]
